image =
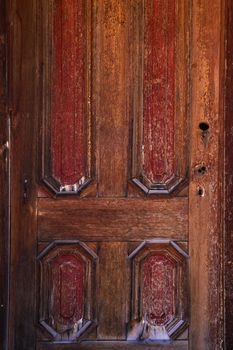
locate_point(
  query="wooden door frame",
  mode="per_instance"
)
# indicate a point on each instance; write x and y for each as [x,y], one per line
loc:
[4,182]
[227,83]
[20,91]
[228,188]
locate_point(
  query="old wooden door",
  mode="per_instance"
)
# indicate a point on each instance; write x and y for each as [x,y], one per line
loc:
[115,156]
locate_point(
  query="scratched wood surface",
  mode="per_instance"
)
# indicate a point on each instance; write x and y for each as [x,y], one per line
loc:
[158,268]
[160,95]
[4,172]
[177,345]
[22,102]
[133,219]
[110,86]
[112,317]
[159,286]
[205,196]
[67,300]
[64,52]
[109,223]
[159,89]
[67,100]
[228,264]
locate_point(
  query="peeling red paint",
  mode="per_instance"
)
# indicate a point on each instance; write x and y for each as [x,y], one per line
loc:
[67,92]
[67,304]
[158,289]
[159,89]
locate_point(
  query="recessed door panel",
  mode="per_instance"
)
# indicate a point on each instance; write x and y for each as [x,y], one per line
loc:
[66,125]
[161,118]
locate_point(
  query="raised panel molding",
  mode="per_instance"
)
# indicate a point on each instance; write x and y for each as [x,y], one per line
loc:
[66,289]
[159,291]
[160,108]
[66,121]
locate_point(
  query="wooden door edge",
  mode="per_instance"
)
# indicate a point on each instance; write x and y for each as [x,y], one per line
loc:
[228,174]
[4,182]
[206,190]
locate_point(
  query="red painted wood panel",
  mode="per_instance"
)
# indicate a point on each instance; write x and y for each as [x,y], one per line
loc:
[67,299]
[67,92]
[158,289]
[159,89]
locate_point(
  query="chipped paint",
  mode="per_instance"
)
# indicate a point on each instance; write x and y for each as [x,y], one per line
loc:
[159,89]
[67,95]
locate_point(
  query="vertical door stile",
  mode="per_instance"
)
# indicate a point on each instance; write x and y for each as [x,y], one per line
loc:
[228,185]
[21,56]
[4,184]
[205,197]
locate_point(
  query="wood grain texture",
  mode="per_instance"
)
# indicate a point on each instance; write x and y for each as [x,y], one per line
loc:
[228,268]
[177,345]
[3,58]
[160,287]
[206,231]
[113,291]
[68,91]
[159,89]
[110,88]
[67,300]
[4,184]
[65,55]
[66,291]
[160,95]
[22,102]
[125,220]
[119,224]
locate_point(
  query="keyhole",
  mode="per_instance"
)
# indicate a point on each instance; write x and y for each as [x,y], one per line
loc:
[203,126]
[200,191]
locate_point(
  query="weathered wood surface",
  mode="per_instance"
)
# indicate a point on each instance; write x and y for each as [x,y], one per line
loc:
[113,291]
[160,92]
[159,89]
[113,219]
[64,54]
[110,93]
[68,91]
[228,265]
[159,286]
[22,87]
[117,224]
[205,197]
[4,189]
[178,345]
